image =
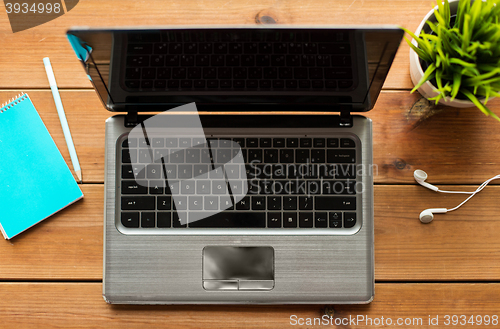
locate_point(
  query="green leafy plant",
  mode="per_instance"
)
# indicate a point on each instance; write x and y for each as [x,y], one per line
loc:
[462,52]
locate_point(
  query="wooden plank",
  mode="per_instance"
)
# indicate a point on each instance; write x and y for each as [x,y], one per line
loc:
[461,245]
[22,52]
[67,245]
[456,146]
[71,305]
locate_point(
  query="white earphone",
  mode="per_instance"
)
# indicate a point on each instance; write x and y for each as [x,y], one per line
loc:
[427,215]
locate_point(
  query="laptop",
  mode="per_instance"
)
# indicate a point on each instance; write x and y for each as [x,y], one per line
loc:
[238,170]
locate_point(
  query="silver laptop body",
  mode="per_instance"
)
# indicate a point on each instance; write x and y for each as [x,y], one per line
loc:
[146,264]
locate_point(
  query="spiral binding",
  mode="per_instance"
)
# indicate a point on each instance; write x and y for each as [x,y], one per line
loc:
[13,101]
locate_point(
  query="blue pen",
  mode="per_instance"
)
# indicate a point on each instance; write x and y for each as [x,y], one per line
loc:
[62,118]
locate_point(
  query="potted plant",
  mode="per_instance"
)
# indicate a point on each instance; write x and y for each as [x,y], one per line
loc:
[455,54]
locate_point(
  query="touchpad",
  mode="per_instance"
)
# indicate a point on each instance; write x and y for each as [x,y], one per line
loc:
[238,268]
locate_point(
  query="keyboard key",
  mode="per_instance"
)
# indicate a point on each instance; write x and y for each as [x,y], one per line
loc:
[347,142]
[290,219]
[129,156]
[199,170]
[173,187]
[273,203]
[133,187]
[164,219]
[335,202]
[163,203]
[219,187]
[203,187]
[286,156]
[320,219]
[305,84]
[148,219]
[196,202]
[292,142]
[225,203]
[177,156]
[188,187]
[156,187]
[258,203]
[306,203]
[266,185]
[345,171]
[330,84]
[134,61]
[290,203]
[349,219]
[180,202]
[332,142]
[265,142]
[302,156]
[278,142]
[305,142]
[130,219]
[341,156]
[153,171]
[138,203]
[171,171]
[306,219]
[335,219]
[335,224]
[345,84]
[243,204]
[252,142]
[176,220]
[293,171]
[133,73]
[265,84]
[185,171]
[274,220]
[211,203]
[270,156]
[127,172]
[255,156]
[319,142]
[278,171]
[338,187]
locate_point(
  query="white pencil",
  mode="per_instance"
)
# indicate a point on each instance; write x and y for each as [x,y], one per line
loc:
[62,118]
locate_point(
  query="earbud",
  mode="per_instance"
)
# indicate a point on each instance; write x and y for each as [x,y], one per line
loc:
[427,215]
[420,177]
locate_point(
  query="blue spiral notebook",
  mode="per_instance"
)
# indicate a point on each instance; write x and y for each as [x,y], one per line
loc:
[35,181]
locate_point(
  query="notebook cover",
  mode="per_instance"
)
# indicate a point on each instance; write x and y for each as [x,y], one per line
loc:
[35,181]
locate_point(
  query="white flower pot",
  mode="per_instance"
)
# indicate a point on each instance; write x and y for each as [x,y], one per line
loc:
[416,71]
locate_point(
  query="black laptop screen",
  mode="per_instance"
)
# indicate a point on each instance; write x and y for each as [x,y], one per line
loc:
[278,68]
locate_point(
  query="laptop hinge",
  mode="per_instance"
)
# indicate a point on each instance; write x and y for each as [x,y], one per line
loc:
[345,119]
[131,119]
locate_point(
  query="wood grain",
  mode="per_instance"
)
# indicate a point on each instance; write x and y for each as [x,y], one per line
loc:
[454,146]
[22,52]
[80,305]
[66,246]
[459,246]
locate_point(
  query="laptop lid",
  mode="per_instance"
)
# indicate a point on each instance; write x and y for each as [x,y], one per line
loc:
[278,68]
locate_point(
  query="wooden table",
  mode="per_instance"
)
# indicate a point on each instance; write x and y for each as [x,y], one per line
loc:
[51,275]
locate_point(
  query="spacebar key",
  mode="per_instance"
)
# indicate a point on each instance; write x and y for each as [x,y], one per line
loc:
[335,202]
[232,219]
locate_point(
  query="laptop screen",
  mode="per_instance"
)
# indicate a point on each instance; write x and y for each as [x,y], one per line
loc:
[238,68]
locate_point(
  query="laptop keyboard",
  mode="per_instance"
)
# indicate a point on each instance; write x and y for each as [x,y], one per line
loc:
[293,182]
[265,60]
